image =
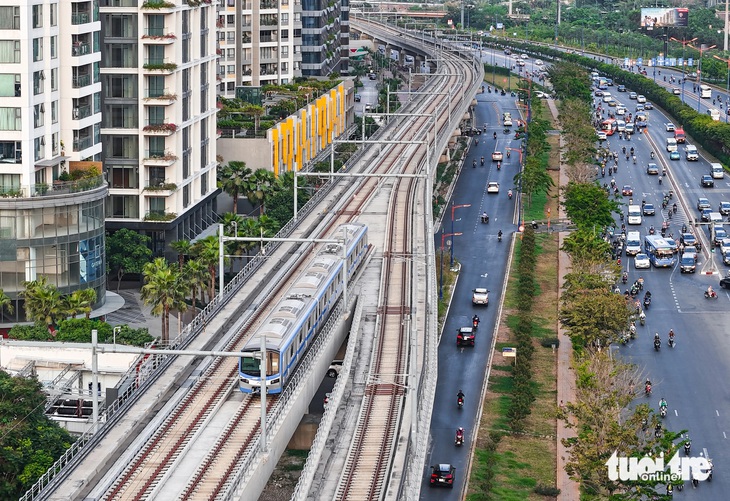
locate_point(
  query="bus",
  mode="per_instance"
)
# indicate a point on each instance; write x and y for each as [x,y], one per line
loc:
[705,91]
[609,126]
[660,253]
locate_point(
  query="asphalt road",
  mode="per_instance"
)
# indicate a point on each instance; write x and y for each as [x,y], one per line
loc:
[687,375]
[483,260]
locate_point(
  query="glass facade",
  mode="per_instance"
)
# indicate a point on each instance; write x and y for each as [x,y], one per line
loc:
[64,243]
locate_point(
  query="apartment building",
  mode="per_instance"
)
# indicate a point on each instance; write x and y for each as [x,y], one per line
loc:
[259,43]
[51,186]
[159,116]
[322,24]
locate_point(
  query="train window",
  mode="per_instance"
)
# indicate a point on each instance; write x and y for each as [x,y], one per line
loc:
[272,363]
[250,365]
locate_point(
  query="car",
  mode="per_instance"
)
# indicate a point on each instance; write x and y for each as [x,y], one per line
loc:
[598,93]
[335,368]
[524,56]
[373,76]
[726,260]
[691,153]
[639,107]
[648,106]
[542,95]
[652,169]
[703,203]
[649,210]
[706,181]
[705,215]
[538,62]
[612,103]
[465,336]
[627,191]
[357,98]
[670,127]
[620,110]
[640,98]
[674,155]
[687,263]
[520,62]
[688,239]
[720,234]
[507,51]
[676,91]
[480,295]
[369,107]
[601,135]
[632,95]
[493,187]
[725,245]
[724,208]
[607,97]
[725,282]
[507,122]
[443,474]
[641,261]
[497,156]
[621,88]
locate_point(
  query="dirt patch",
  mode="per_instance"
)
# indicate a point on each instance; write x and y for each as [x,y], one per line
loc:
[285,477]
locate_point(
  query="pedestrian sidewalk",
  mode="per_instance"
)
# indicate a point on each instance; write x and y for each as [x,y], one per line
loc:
[569,488]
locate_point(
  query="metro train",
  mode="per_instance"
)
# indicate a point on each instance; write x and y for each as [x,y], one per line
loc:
[295,321]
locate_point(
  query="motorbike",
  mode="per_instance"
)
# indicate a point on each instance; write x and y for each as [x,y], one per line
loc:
[509,194]
[625,278]
[710,295]
[663,412]
[499,236]
[687,447]
[652,230]
[474,164]
[657,344]
[652,155]
[671,342]
[485,219]
[475,323]
[499,165]
[632,331]
[647,390]
[459,440]
[495,135]
[482,160]
[674,208]
[642,318]
[460,402]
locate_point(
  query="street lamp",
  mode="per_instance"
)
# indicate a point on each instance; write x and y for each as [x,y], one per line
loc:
[453,208]
[727,92]
[684,45]
[702,48]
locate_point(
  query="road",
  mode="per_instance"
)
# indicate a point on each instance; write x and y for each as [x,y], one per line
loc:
[687,375]
[483,263]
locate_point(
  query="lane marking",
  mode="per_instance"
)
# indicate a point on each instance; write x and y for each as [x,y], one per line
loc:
[717,412]
[676,414]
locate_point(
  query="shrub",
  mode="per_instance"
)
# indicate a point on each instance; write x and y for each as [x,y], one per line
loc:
[547,490]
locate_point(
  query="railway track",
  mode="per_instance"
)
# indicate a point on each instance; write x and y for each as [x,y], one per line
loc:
[365,475]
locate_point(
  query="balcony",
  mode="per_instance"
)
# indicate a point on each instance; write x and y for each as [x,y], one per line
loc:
[159,129]
[157,97]
[159,158]
[57,188]
[159,216]
[158,66]
[158,37]
[82,143]
[80,81]
[159,188]
[157,5]
[80,18]
[81,112]
[80,49]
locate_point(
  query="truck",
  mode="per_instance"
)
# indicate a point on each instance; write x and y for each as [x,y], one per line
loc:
[679,135]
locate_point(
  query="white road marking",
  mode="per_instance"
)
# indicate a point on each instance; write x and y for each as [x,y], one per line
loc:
[724,435]
[675,413]
[717,412]
[485,275]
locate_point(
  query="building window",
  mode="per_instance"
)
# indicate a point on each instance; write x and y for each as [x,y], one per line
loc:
[185,22]
[122,147]
[155,85]
[10,18]
[39,147]
[231,69]
[54,79]
[156,115]
[38,16]
[54,47]
[157,205]
[186,108]
[123,176]
[186,164]
[39,111]
[37,49]
[204,99]
[122,55]
[54,145]
[285,51]
[203,155]
[157,146]
[230,54]
[54,112]
[204,184]
[121,86]
[122,206]
[156,25]
[54,14]
[38,78]
[120,116]
[284,18]
[9,51]
[186,50]
[230,37]
[203,45]
[9,85]
[10,119]
[97,102]
[122,25]
[203,19]
[186,195]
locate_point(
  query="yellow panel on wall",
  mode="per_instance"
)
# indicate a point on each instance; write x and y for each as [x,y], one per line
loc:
[275,150]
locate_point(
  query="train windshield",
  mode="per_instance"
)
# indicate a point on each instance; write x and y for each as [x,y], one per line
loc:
[250,365]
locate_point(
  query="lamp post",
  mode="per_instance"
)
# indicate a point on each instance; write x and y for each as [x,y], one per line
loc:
[727,92]
[453,208]
[443,238]
[684,46]
[702,48]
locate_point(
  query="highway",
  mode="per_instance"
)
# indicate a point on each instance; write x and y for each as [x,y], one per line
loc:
[483,264]
[686,375]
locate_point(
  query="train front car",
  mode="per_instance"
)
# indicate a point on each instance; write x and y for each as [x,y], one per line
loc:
[294,323]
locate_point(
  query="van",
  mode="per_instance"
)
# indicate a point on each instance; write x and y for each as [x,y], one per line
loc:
[633,243]
[634,214]
[620,125]
[630,128]
[715,218]
[716,170]
[691,153]
[679,135]
[714,114]
[671,144]
[687,263]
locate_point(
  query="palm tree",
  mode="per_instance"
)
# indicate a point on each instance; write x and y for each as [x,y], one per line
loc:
[164,289]
[264,185]
[206,250]
[257,112]
[183,248]
[43,303]
[231,222]
[87,298]
[6,304]
[233,178]
[196,274]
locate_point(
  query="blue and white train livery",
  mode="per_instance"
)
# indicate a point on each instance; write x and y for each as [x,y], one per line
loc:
[294,323]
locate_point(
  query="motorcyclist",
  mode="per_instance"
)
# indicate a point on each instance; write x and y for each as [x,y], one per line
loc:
[460,396]
[460,434]
[632,150]
[495,135]
[474,163]
[475,320]
[509,193]
[710,291]
[499,235]
[632,329]
[663,403]
[485,218]
[652,154]
[658,430]
[499,165]
[508,152]
[651,230]
[674,207]
[482,160]
[671,334]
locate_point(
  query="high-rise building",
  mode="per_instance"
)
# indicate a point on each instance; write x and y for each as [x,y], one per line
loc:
[51,185]
[159,116]
[321,37]
[259,43]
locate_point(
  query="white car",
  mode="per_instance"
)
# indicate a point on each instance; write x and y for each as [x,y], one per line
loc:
[334,369]
[524,56]
[640,98]
[542,95]
[507,122]
[493,187]
[538,62]
[670,127]
[480,295]
[601,135]
[497,156]
[620,110]
[641,261]
[725,246]
[607,98]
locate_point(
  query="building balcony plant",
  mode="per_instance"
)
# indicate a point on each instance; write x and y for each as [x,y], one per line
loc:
[167,97]
[161,187]
[160,159]
[157,5]
[160,66]
[160,216]
[164,128]
[159,39]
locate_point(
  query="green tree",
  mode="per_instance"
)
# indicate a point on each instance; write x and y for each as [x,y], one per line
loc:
[164,290]
[595,318]
[587,249]
[6,304]
[207,252]
[43,302]
[588,206]
[183,249]
[127,252]
[196,276]
[233,178]
[263,186]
